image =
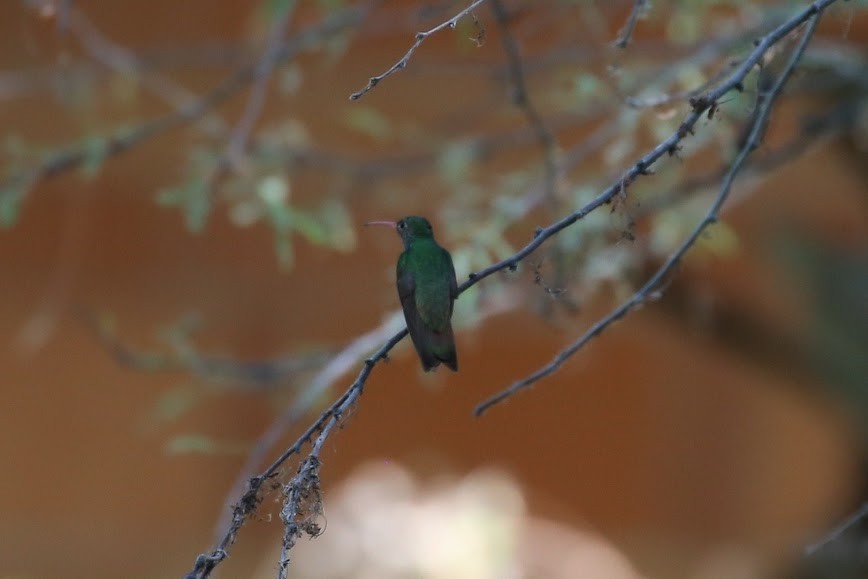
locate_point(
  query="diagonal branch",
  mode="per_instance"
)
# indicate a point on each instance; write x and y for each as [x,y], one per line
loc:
[250,500]
[652,287]
[522,100]
[627,32]
[405,60]
[838,531]
[340,364]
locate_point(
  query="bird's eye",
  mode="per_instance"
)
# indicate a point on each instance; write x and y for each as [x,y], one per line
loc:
[401,225]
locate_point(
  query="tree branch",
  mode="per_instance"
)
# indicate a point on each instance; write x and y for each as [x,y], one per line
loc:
[13,189]
[405,60]
[651,288]
[624,38]
[838,531]
[256,100]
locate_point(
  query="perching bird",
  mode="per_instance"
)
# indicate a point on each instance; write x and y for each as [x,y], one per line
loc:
[427,288]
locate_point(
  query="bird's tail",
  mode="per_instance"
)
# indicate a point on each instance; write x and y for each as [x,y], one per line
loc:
[443,348]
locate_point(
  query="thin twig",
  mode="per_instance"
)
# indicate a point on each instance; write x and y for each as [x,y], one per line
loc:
[341,363]
[405,60]
[250,500]
[123,61]
[627,32]
[239,374]
[651,287]
[835,533]
[256,99]
[303,503]
[522,100]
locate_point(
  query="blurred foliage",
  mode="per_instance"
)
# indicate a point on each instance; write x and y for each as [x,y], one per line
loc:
[837,282]
[482,169]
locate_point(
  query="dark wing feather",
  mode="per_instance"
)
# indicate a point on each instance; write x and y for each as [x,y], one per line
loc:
[418,333]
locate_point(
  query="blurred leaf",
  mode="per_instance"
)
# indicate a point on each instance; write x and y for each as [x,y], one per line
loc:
[273,190]
[456,160]
[720,239]
[10,206]
[290,79]
[245,213]
[337,221]
[691,77]
[309,226]
[336,45]
[15,151]
[330,5]
[174,403]
[370,122]
[668,229]
[685,24]
[838,283]
[204,444]
[587,88]
[275,8]
[283,248]
[95,148]
[124,88]
[192,443]
[618,150]
[193,197]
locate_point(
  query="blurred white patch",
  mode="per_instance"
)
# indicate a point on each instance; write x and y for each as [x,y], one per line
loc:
[383,522]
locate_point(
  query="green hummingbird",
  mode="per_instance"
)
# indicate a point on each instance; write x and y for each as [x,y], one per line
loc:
[427,288]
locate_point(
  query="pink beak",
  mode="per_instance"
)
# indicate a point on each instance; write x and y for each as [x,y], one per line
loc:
[391,224]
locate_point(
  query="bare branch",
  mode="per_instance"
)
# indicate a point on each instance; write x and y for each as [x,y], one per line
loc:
[651,287]
[187,358]
[624,38]
[420,38]
[250,500]
[122,61]
[14,188]
[838,531]
[303,505]
[340,364]
[256,100]
[522,100]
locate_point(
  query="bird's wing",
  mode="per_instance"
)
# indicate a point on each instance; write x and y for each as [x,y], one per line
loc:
[407,293]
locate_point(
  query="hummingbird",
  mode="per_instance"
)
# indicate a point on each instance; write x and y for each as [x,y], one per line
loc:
[427,289]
